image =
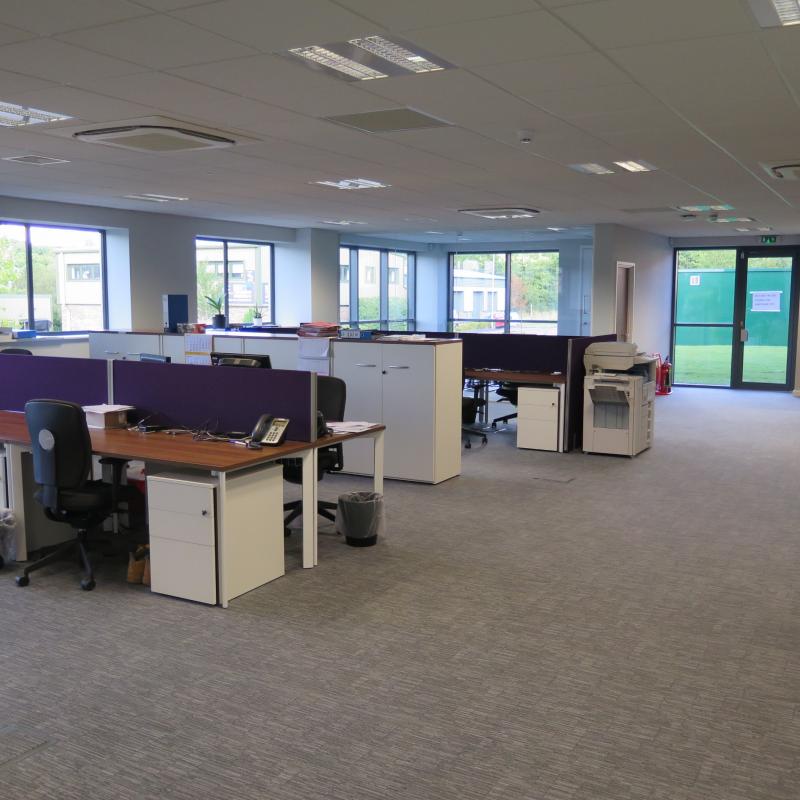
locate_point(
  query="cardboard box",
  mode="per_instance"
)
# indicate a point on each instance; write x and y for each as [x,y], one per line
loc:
[107,416]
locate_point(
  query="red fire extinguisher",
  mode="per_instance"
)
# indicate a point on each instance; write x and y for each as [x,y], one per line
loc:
[664,376]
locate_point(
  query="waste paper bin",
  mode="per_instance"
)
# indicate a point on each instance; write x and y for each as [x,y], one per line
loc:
[360,518]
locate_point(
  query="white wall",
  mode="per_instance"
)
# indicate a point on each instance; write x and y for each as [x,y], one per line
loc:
[161,252]
[652,301]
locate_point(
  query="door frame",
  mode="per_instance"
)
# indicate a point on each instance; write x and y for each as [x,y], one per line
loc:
[740,312]
[630,267]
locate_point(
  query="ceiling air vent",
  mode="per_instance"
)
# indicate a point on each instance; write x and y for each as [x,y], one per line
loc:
[389,121]
[783,172]
[500,213]
[38,161]
[154,138]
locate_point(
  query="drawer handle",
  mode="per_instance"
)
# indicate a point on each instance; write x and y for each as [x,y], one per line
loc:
[111,352]
[396,366]
[134,354]
[366,365]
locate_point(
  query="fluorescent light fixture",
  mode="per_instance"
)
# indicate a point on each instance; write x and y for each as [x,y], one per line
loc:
[731,219]
[341,222]
[14,116]
[500,213]
[764,230]
[353,183]
[556,230]
[154,198]
[436,233]
[702,209]
[396,54]
[347,66]
[39,161]
[592,169]
[773,13]
[743,230]
[636,166]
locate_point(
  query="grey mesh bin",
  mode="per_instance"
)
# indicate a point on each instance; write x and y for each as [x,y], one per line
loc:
[359,517]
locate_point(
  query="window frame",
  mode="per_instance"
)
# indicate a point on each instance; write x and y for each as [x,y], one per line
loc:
[452,321]
[31,321]
[225,241]
[384,323]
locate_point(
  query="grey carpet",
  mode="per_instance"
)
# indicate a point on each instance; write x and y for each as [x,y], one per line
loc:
[546,627]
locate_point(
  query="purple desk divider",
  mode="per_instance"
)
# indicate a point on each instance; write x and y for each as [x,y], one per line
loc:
[221,398]
[79,380]
[515,351]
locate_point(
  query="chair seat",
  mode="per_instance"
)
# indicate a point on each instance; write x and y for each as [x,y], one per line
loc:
[95,496]
[327,461]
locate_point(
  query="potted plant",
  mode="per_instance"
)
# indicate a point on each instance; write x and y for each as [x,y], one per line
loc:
[258,320]
[217,303]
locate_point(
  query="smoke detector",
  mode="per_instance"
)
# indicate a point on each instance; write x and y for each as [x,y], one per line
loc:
[783,172]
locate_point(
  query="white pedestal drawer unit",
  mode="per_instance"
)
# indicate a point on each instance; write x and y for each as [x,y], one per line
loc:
[539,418]
[183,511]
[415,391]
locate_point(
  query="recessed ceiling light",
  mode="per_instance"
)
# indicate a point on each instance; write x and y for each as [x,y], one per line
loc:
[341,222]
[592,169]
[353,183]
[154,198]
[556,230]
[39,161]
[636,166]
[701,209]
[347,66]
[771,13]
[715,218]
[396,54]
[500,213]
[14,116]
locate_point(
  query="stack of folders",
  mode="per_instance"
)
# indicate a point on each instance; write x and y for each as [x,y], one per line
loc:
[318,329]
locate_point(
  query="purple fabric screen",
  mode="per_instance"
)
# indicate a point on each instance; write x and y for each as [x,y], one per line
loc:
[515,351]
[79,380]
[221,398]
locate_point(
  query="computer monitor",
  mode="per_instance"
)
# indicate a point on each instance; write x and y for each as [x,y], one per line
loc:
[240,360]
[154,358]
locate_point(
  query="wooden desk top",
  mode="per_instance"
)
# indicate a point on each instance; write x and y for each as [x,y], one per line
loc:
[180,450]
[514,377]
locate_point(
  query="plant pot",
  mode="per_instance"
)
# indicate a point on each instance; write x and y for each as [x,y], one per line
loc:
[218,322]
[257,322]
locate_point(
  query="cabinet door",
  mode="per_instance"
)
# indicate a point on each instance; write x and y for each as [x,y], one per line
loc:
[359,366]
[106,345]
[134,344]
[172,345]
[282,352]
[408,410]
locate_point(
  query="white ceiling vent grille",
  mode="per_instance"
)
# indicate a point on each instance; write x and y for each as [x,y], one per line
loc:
[154,138]
[783,172]
[39,161]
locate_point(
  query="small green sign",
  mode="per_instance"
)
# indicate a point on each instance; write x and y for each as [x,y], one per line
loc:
[769,240]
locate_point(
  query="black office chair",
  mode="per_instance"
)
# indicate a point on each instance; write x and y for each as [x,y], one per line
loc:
[469,410]
[331,399]
[16,351]
[507,391]
[62,464]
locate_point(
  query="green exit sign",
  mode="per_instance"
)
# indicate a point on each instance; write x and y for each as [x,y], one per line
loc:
[769,240]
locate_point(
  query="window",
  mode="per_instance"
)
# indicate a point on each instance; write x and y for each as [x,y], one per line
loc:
[240,274]
[505,292]
[379,284]
[52,279]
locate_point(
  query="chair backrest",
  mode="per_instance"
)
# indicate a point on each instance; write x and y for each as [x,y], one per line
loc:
[331,397]
[62,449]
[16,351]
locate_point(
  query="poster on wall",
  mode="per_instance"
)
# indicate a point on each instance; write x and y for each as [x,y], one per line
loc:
[766,301]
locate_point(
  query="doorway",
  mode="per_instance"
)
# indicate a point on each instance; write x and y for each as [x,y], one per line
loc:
[735,317]
[624,301]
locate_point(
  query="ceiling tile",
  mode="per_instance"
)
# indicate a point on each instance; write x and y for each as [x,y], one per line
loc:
[158,42]
[9,35]
[12,82]
[277,80]
[60,62]
[47,17]
[80,104]
[274,26]
[424,13]
[169,5]
[623,23]
[501,39]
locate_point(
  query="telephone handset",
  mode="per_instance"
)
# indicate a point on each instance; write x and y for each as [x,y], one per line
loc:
[269,430]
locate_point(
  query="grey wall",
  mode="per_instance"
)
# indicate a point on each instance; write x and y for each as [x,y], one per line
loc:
[160,257]
[652,303]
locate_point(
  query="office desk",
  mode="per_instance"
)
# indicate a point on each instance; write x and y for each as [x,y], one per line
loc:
[484,377]
[217,458]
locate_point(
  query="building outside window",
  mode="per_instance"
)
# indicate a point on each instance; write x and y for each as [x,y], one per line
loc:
[52,279]
[379,285]
[241,274]
[512,292]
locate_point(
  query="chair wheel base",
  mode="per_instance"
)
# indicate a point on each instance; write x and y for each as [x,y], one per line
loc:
[22,580]
[87,585]
[467,446]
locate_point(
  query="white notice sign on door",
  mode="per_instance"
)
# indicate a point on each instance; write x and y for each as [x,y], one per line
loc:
[766,301]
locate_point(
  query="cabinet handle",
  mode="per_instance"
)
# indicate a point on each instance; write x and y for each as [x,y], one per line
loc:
[134,354]
[111,352]
[396,366]
[366,365]
[204,512]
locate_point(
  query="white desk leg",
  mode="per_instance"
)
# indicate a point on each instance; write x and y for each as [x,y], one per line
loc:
[15,496]
[222,533]
[377,480]
[309,459]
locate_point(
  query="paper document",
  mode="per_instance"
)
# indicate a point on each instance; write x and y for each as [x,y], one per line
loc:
[105,408]
[197,348]
[350,427]
[766,301]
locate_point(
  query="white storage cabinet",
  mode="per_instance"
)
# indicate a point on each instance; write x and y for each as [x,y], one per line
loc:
[413,389]
[538,418]
[118,346]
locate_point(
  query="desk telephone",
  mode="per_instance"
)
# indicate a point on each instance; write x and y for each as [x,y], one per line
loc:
[269,430]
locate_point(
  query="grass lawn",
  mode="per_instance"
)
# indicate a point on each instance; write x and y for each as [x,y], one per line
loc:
[710,364]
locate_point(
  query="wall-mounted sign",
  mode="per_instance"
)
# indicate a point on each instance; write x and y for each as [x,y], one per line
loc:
[766,301]
[769,240]
[694,280]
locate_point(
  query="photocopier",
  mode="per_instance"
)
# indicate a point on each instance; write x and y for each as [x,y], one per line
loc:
[618,399]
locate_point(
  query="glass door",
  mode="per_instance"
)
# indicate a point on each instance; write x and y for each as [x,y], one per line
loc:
[766,319]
